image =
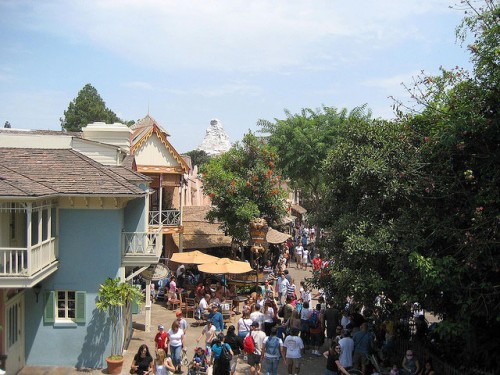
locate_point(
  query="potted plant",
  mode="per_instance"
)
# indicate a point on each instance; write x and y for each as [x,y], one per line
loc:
[115,296]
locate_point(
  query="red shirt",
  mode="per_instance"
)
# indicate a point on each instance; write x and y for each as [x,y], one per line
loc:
[316,263]
[160,339]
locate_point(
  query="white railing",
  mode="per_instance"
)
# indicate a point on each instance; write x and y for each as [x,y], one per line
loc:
[166,217]
[141,243]
[16,261]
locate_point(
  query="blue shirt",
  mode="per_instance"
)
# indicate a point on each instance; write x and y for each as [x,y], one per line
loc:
[218,321]
[217,349]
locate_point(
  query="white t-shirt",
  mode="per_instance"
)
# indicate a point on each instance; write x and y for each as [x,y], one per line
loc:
[203,304]
[175,337]
[208,333]
[294,346]
[244,325]
[284,285]
[269,315]
[305,255]
[258,338]
[305,295]
[298,250]
[258,317]
[346,349]
[305,313]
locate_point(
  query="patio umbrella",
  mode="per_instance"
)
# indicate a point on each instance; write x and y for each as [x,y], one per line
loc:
[225,265]
[193,257]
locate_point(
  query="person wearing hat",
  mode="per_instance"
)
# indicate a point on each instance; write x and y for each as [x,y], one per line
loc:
[160,339]
[182,322]
[216,317]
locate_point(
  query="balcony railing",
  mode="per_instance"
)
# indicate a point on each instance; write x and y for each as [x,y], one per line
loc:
[141,243]
[26,262]
[165,218]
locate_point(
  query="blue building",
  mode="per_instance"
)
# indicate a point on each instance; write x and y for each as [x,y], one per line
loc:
[71,215]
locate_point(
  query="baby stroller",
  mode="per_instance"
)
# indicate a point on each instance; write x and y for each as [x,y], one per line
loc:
[199,364]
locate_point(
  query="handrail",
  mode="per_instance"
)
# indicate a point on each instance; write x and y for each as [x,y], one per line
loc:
[166,218]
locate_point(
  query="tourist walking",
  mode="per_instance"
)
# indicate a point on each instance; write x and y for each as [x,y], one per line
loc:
[333,366]
[294,349]
[272,351]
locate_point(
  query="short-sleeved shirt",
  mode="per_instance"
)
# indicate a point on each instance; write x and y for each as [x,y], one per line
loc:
[305,254]
[208,332]
[258,338]
[217,349]
[172,287]
[175,337]
[298,250]
[160,339]
[294,346]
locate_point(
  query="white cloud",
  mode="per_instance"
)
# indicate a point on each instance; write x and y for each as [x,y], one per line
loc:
[138,85]
[234,35]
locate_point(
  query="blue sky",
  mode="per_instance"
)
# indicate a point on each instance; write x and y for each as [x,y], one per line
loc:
[238,61]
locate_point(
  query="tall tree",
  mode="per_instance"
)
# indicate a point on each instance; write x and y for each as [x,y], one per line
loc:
[86,108]
[244,184]
[304,140]
[198,157]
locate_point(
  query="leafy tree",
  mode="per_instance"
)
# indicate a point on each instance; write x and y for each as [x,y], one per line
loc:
[370,172]
[86,108]
[244,184]
[198,157]
[454,227]
[304,140]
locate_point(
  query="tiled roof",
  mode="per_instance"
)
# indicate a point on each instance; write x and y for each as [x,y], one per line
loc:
[40,132]
[41,172]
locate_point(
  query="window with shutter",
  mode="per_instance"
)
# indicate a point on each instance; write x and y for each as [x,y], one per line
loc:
[64,306]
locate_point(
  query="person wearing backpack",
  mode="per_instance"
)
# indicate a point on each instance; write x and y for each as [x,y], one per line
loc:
[252,345]
[222,355]
[316,330]
[272,349]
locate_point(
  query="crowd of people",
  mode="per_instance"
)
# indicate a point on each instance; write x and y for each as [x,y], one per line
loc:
[280,321]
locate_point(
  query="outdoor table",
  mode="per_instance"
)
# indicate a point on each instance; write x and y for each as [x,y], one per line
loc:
[237,300]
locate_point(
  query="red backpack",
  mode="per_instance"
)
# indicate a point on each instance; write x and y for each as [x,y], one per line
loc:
[249,344]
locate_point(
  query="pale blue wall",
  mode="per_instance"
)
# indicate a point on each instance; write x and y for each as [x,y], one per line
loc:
[135,216]
[89,252]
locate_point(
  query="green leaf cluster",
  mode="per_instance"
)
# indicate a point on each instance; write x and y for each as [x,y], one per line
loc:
[86,108]
[244,184]
[113,296]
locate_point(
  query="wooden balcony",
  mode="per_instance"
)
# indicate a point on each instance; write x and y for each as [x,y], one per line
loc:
[141,248]
[165,218]
[26,267]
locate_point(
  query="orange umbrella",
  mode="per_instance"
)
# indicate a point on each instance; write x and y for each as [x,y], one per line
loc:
[193,257]
[225,265]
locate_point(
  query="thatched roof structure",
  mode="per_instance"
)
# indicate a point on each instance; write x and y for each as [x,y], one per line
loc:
[276,237]
[198,232]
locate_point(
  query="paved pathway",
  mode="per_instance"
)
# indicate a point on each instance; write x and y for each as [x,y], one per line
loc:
[160,315]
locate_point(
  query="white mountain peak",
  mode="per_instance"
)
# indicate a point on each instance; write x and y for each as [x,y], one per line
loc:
[216,140]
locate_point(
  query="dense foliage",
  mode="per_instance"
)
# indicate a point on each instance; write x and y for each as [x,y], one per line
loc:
[412,207]
[86,108]
[198,157]
[303,141]
[243,184]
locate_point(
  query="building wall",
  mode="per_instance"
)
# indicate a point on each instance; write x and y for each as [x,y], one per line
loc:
[154,152]
[89,252]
